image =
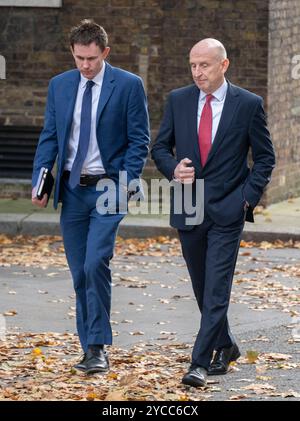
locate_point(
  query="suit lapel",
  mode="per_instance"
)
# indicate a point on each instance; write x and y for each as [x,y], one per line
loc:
[191,116]
[70,94]
[106,90]
[230,105]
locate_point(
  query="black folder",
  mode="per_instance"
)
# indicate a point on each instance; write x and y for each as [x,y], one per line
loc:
[45,183]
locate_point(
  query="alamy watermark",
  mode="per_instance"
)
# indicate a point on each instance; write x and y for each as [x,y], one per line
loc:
[151,198]
[2,67]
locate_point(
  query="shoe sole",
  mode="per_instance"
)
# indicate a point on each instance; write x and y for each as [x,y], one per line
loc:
[221,373]
[79,369]
[96,370]
[194,384]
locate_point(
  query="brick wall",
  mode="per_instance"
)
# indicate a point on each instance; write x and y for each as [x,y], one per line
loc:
[150,37]
[153,38]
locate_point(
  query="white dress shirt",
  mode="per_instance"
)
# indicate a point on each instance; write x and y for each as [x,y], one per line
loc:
[217,104]
[93,162]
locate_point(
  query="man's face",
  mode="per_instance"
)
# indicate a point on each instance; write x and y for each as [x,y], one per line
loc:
[89,58]
[207,68]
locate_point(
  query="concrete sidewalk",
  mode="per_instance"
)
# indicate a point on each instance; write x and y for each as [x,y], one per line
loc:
[280,221]
[154,309]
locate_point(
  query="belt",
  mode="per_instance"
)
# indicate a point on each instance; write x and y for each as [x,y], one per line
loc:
[86,179]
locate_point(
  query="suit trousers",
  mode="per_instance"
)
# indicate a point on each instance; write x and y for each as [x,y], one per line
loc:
[89,239]
[210,252]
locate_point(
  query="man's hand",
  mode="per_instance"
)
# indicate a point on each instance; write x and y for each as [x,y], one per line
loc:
[35,201]
[183,173]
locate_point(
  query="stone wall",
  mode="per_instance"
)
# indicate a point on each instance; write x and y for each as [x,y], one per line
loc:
[284,97]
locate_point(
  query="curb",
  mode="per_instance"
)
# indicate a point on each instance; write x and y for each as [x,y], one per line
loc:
[22,224]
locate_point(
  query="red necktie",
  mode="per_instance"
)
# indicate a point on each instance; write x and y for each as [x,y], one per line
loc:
[205,129]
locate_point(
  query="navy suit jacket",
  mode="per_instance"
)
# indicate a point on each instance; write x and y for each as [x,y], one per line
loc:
[228,181]
[122,125]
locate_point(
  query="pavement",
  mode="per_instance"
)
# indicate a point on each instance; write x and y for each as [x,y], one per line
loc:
[153,304]
[44,297]
[279,221]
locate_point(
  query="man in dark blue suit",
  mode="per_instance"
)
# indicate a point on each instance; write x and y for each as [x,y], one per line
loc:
[212,124]
[96,125]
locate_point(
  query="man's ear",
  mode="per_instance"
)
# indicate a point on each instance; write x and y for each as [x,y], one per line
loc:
[225,64]
[105,52]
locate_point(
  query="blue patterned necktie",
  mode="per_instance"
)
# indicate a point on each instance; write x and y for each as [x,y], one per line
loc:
[84,136]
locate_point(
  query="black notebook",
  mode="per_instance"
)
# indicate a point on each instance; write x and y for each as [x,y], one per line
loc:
[45,183]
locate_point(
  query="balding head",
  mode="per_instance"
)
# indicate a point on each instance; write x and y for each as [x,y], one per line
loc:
[209,62]
[210,45]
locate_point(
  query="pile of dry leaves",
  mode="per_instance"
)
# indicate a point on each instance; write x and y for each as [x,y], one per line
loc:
[40,367]
[44,251]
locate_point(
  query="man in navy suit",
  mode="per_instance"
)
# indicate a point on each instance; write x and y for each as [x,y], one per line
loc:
[96,125]
[212,124]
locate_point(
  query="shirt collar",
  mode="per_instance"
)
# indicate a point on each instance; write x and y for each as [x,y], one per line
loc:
[98,79]
[219,94]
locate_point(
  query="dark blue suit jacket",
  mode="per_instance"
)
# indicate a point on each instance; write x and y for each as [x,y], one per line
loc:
[228,181]
[122,124]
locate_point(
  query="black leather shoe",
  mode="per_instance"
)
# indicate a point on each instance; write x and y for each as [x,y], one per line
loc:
[82,364]
[96,361]
[222,359]
[196,376]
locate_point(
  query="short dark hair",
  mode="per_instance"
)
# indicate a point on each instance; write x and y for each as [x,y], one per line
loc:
[87,32]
